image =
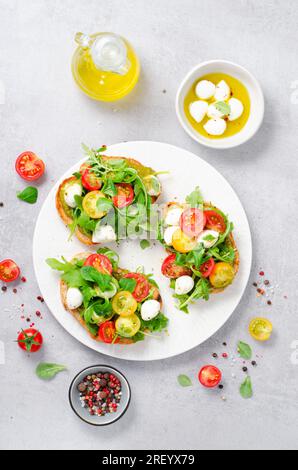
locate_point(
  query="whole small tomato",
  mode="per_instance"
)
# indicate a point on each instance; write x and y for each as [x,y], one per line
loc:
[30,340]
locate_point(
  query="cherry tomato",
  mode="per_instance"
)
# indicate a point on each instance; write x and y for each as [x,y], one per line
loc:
[260,329]
[125,195]
[182,242]
[170,269]
[207,267]
[128,326]
[84,167]
[90,204]
[29,166]
[215,221]
[222,275]
[142,288]
[192,222]
[100,262]
[124,304]
[90,181]
[107,332]
[9,270]
[30,340]
[210,376]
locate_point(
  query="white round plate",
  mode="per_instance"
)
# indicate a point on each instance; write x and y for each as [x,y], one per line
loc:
[205,318]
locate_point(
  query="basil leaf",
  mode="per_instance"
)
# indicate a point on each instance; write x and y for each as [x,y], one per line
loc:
[104,204]
[74,278]
[47,371]
[29,195]
[246,388]
[144,244]
[184,380]
[59,266]
[244,350]
[89,273]
[223,107]
[128,284]
[157,323]
[195,198]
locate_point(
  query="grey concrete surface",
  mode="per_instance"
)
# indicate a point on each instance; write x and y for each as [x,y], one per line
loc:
[44,111]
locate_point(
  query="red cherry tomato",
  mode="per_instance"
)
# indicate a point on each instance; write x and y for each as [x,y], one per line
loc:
[210,376]
[125,195]
[100,262]
[170,269]
[84,167]
[192,222]
[142,288]
[215,221]
[30,340]
[107,332]
[207,267]
[29,166]
[9,270]
[90,181]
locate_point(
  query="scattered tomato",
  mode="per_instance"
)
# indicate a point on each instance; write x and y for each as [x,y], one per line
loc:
[107,332]
[207,267]
[30,340]
[192,222]
[125,195]
[210,376]
[142,288]
[215,221]
[170,269]
[9,270]
[29,166]
[260,329]
[100,262]
[90,181]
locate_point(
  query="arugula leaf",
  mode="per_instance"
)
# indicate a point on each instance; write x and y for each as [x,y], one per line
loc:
[128,284]
[47,371]
[139,336]
[244,350]
[109,188]
[104,281]
[74,278]
[60,266]
[201,290]
[195,198]
[144,244]
[29,195]
[223,107]
[77,175]
[184,380]
[93,328]
[156,324]
[104,204]
[88,293]
[246,388]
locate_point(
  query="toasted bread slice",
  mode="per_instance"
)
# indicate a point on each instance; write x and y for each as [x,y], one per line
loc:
[65,212]
[76,313]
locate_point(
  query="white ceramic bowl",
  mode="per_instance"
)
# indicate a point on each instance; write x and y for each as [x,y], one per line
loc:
[256,100]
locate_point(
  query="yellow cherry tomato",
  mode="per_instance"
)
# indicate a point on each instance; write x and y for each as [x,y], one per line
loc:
[90,204]
[260,329]
[128,326]
[222,275]
[182,243]
[124,304]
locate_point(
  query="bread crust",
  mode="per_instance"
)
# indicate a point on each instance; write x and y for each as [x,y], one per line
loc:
[76,312]
[82,236]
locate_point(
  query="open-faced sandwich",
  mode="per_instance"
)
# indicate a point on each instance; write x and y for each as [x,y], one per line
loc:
[203,258]
[106,196]
[114,305]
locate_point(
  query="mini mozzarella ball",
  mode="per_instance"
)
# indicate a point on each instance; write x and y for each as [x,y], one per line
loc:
[215,126]
[205,89]
[222,91]
[70,192]
[184,285]
[198,110]
[104,233]
[204,238]
[168,234]
[173,215]
[236,109]
[74,298]
[150,309]
[213,112]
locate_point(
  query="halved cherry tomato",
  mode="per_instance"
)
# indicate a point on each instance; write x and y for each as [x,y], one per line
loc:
[100,262]
[9,270]
[142,288]
[182,242]
[222,275]
[170,269]
[125,195]
[192,222]
[107,332]
[207,267]
[210,376]
[260,329]
[84,167]
[29,166]
[90,181]
[124,304]
[215,221]
[90,204]
[30,340]
[128,326]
